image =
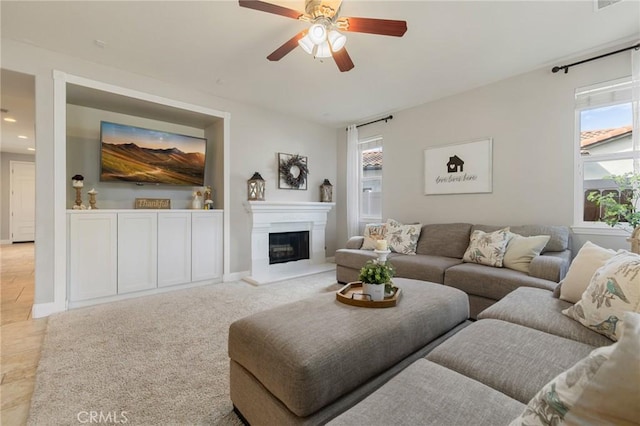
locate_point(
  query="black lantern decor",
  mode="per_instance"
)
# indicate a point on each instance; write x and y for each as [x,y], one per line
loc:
[326,191]
[255,187]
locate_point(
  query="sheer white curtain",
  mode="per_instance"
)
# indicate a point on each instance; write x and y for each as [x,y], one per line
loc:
[635,93]
[353,174]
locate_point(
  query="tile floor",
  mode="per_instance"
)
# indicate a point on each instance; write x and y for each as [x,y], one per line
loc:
[21,336]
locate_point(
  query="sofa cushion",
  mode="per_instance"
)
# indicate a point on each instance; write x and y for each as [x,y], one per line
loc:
[426,393]
[372,233]
[510,358]
[487,248]
[603,388]
[446,239]
[356,258]
[560,236]
[492,283]
[402,238]
[589,259]
[613,290]
[537,308]
[422,267]
[522,250]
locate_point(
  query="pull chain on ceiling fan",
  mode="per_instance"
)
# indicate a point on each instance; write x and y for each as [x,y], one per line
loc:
[323,38]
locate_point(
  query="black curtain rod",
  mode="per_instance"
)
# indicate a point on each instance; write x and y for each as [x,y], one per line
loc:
[566,67]
[385,119]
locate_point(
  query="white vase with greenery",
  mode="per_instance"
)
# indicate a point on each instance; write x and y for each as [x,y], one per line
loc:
[375,276]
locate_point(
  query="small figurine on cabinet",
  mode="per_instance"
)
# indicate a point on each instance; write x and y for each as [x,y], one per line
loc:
[92,199]
[196,203]
[208,202]
[77,182]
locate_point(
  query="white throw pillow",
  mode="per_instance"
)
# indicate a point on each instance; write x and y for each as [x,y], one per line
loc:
[372,233]
[589,258]
[522,250]
[403,238]
[603,388]
[487,248]
[614,289]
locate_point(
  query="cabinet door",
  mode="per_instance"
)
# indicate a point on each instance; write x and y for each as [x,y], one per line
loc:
[137,251]
[206,245]
[93,252]
[174,248]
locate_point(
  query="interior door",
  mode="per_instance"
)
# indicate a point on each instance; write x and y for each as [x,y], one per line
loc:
[22,201]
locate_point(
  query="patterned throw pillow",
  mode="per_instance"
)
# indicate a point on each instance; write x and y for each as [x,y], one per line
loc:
[372,233]
[556,398]
[487,248]
[402,238]
[600,389]
[613,290]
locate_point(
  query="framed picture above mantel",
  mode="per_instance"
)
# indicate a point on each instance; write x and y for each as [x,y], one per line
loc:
[293,171]
[462,168]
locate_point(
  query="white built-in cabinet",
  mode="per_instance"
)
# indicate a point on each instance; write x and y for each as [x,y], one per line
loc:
[174,248]
[137,251]
[118,253]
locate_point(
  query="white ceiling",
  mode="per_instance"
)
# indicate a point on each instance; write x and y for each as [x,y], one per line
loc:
[18,98]
[220,48]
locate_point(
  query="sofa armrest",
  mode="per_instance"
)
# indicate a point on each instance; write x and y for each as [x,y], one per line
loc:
[551,266]
[355,242]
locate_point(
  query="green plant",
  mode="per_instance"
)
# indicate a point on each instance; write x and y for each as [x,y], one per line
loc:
[374,272]
[622,208]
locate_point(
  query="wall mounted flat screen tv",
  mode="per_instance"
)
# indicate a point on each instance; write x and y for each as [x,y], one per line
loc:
[134,154]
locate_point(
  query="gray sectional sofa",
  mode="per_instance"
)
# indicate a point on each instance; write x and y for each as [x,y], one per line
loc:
[439,254]
[487,372]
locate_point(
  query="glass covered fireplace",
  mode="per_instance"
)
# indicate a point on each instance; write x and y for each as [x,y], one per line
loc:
[288,246]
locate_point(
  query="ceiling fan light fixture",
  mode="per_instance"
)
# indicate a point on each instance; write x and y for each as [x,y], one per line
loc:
[306,44]
[323,50]
[336,40]
[318,34]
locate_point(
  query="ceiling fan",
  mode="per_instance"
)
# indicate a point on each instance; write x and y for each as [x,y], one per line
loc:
[323,38]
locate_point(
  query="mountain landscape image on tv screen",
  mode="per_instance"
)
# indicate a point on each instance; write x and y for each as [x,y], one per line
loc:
[134,154]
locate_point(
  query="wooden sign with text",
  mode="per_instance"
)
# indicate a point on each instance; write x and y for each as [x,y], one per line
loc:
[153,203]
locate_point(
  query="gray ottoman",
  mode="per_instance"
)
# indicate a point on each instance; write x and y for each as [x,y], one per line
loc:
[308,361]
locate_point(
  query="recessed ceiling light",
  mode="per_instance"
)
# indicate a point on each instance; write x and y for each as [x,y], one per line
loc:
[22,137]
[10,120]
[31,149]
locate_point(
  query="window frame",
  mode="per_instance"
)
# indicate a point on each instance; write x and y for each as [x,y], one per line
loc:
[580,226]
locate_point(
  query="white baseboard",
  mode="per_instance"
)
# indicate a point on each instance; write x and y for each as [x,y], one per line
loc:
[235,276]
[40,310]
[3,242]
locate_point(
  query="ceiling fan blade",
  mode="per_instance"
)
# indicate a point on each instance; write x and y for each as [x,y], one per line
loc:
[386,27]
[287,47]
[343,60]
[270,8]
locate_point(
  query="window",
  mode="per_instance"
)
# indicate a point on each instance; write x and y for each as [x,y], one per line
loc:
[370,180]
[604,124]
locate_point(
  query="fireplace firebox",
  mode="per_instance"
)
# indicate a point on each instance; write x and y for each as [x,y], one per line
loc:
[288,246]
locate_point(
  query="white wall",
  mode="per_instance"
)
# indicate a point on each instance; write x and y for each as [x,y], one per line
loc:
[531,120]
[5,158]
[256,137]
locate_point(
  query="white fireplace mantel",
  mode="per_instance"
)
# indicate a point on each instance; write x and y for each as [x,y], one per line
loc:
[286,216]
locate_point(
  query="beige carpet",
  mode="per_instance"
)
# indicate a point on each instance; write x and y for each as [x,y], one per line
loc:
[155,360]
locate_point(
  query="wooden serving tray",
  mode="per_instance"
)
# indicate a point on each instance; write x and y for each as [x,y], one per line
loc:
[351,294]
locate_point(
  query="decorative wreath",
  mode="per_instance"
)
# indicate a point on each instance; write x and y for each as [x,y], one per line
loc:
[285,171]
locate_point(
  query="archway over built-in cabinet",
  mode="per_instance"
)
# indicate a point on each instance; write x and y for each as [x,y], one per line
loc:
[70,89]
